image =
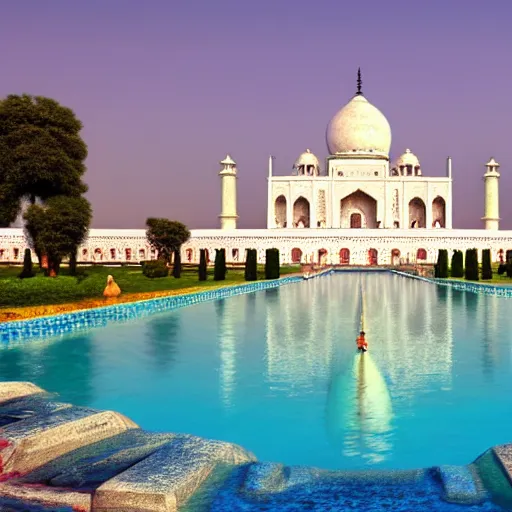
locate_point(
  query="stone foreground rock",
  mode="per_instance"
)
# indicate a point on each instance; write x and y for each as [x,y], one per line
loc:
[58,457]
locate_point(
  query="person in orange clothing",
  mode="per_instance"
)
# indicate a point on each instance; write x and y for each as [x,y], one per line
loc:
[362,345]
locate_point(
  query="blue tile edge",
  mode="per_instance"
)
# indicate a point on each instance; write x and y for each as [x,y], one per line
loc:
[482,289]
[75,321]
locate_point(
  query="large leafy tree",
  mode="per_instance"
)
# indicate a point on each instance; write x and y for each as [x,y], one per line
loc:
[41,152]
[57,227]
[166,236]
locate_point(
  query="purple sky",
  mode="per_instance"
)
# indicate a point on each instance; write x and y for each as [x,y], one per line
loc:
[166,88]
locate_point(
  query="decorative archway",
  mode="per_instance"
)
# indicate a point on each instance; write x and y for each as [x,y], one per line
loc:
[112,254]
[417,213]
[280,211]
[296,255]
[98,254]
[439,212]
[188,255]
[322,257]
[373,257]
[344,256]
[128,254]
[358,210]
[395,257]
[235,254]
[301,213]
[142,254]
[421,255]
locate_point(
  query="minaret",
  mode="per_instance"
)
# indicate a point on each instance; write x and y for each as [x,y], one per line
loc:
[492,196]
[228,215]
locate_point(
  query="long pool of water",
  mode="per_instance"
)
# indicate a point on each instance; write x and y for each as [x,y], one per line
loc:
[277,372]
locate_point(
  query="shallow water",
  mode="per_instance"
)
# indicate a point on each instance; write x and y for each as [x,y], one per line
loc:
[276,371]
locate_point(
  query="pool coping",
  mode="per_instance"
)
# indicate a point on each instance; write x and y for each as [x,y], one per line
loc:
[472,287]
[61,324]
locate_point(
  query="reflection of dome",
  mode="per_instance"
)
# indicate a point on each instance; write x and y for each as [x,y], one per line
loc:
[407,164]
[359,127]
[307,164]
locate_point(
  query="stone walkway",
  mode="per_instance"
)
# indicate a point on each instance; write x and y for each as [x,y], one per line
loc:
[59,457]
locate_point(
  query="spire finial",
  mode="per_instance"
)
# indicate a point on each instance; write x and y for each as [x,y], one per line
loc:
[359,82]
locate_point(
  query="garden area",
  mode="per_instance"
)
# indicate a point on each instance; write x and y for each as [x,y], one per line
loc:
[85,289]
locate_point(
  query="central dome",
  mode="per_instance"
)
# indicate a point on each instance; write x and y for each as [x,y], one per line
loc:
[358,127]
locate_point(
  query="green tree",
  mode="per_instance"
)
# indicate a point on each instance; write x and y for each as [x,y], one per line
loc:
[58,227]
[471,272]
[441,268]
[203,265]
[176,267]
[457,264]
[41,152]
[251,265]
[219,270]
[166,236]
[28,270]
[272,265]
[486,264]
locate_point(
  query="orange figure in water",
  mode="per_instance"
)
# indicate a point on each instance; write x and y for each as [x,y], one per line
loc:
[362,345]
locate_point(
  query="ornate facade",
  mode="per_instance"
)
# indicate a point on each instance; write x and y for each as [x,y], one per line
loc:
[362,210]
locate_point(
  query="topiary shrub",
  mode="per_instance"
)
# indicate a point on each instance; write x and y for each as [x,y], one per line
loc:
[471,273]
[508,268]
[457,264]
[272,265]
[72,264]
[251,265]
[486,264]
[176,268]
[219,271]
[502,269]
[28,270]
[441,267]
[203,265]
[155,268]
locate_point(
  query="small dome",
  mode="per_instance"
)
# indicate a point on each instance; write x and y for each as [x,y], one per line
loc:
[306,158]
[228,161]
[358,127]
[408,158]
[307,164]
[407,164]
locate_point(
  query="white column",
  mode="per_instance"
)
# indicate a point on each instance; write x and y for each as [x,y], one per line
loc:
[289,207]
[429,218]
[449,201]
[228,216]
[271,222]
[492,207]
[312,205]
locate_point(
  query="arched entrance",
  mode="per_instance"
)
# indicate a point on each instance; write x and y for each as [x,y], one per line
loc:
[322,257]
[345,256]
[296,255]
[417,213]
[280,211]
[188,255]
[301,213]
[395,257]
[439,212]
[373,257]
[358,210]
[421,255]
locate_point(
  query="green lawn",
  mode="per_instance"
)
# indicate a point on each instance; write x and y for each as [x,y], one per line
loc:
[41,290]
[502,280]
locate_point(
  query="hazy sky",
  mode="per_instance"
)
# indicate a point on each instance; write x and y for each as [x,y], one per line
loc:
[165,88]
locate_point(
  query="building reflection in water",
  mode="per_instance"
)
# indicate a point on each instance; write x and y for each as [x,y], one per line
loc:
[312,338]
[162,340]
[227,317]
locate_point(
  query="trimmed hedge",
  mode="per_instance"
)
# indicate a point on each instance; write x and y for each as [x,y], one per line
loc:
[272,264]
[28,270]
[471,273]
[441,267]
[251,265]
[155,268]
[203,267]
[176,268]
[457,264]
[486,264]
[219,271]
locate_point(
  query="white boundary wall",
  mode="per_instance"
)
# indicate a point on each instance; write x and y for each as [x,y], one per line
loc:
[315,245]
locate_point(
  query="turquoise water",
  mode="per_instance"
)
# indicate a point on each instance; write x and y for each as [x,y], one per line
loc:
[276,372]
